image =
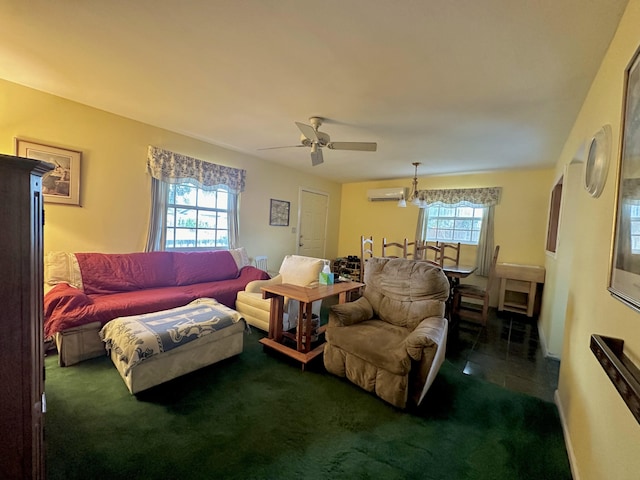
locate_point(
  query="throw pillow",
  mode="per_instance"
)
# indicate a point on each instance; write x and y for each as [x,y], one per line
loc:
[62,267]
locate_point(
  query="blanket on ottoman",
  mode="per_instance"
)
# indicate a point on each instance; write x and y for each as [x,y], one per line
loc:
[140,337]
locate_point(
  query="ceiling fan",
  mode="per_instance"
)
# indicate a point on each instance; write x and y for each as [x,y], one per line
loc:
[314,138]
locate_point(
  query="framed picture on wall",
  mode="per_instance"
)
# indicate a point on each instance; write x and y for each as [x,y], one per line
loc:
[279,213]
[624,281]
[62,184]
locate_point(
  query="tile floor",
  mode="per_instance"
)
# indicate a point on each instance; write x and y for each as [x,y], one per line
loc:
[506,352]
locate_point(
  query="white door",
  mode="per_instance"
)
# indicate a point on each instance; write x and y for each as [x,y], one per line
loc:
[312,223]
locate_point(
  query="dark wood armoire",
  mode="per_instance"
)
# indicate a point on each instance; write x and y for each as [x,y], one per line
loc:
[22,400]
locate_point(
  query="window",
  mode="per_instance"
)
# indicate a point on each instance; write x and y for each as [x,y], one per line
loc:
[635,228]
[197,218]
[454,223]
[194,203]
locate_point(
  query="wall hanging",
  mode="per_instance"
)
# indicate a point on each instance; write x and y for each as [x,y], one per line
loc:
[624,276]
[62,184]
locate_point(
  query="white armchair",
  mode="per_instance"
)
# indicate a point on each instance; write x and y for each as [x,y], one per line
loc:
[296,270]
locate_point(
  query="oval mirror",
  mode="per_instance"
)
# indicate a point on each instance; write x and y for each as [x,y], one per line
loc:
[597,164]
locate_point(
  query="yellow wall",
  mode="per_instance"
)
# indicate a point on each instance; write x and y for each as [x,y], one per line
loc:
[115,188]
[602,434]
[520,218]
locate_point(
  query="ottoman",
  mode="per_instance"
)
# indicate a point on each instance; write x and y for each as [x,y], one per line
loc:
[153,348]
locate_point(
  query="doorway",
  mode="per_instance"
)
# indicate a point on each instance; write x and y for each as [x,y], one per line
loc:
[312,223]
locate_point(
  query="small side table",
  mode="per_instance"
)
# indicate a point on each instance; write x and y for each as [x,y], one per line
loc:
[306,296]
[454,273]
[523,279]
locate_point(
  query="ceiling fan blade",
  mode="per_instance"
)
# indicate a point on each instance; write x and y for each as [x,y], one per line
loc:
[285,146]
[308,131]
[360,146]
[316,155]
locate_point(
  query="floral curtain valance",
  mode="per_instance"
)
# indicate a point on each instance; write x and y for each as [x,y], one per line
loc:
[173,167]
[482,197]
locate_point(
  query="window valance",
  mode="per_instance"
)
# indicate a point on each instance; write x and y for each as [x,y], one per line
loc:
[481,197]
[171,167]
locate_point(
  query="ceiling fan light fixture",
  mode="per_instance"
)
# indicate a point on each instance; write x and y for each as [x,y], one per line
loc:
[311,137]
[414,195]
[402,203]
[316,155]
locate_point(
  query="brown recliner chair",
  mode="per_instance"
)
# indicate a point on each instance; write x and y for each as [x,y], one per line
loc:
[392,340]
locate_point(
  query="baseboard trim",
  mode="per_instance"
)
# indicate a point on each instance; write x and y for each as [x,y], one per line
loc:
[543,344]
[567,438]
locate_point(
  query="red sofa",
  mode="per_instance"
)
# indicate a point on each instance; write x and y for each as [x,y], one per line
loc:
[115,285]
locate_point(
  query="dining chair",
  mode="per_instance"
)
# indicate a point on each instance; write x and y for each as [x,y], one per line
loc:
[428,253]
[366,252]
[395,245]
[475,311]
[445,255]
[410,249]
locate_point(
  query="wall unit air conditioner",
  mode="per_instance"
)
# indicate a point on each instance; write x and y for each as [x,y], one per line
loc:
[386,194]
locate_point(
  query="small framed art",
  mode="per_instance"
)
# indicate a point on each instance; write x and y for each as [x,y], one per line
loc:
[279,213]
[62,184]
[624,271]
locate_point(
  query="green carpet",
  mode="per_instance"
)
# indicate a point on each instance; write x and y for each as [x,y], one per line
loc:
[258,416]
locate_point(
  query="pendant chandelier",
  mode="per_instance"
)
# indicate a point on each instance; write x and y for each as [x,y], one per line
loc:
[414,196]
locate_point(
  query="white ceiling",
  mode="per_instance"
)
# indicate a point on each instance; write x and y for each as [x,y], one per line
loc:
[459,85]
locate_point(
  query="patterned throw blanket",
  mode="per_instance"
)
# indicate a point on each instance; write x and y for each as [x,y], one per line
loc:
[139,337]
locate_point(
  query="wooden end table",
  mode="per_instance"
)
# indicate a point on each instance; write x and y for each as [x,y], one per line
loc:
[305,296]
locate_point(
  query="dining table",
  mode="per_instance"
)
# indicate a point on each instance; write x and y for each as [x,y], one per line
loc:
[454,273]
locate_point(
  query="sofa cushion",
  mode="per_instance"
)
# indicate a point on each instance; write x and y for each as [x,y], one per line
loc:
[67,307]
[376,342]
[253,300]
[225,291]
[199,267]
[104,273]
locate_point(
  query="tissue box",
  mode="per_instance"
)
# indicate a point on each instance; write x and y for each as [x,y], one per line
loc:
[326,278]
